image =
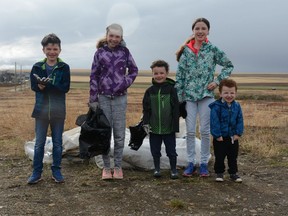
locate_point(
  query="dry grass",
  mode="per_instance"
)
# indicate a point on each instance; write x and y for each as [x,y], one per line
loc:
[265,121]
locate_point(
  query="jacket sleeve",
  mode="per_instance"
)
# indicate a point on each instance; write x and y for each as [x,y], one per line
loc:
[146,108]
[94,79]
[215,127]
[180,77]
[227,66]
[240,122]
[33,80]
[132,71]
[175,105]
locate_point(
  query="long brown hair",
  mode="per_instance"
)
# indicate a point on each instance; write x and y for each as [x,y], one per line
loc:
[181,48]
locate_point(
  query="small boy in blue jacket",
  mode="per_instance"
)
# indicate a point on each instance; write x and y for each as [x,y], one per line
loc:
[226,123]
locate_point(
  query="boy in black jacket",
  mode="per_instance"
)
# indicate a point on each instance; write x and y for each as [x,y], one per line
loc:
[161,116]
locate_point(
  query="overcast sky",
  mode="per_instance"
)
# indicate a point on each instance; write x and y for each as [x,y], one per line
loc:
[253,33]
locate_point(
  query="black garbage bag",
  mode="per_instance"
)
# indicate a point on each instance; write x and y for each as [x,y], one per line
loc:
[182,110]
[95,134]
[81,119]
[137,135]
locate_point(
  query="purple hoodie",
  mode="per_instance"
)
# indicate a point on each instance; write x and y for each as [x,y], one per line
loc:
[108,72]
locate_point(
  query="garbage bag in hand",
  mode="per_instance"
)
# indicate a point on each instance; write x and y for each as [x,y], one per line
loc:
[137,135]
[95,135]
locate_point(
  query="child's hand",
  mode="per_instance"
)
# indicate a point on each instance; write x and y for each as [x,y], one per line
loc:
[220,139]
[211,86]
[236,137]
[146,128]
[41,86]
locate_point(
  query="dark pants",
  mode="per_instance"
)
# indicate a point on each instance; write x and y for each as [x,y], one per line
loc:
[169,142]
[223,149]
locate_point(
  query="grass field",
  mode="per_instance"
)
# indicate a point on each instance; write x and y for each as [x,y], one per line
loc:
[265,111]
[251,81]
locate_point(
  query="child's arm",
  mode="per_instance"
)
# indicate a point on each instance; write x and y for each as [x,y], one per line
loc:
[239,124]
[215,124]
[146,108]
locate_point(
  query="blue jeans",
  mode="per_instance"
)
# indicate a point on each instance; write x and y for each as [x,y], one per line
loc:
[201,108]
[114,109]
[41,127]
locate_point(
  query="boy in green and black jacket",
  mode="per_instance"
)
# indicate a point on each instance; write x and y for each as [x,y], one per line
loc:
[161,116]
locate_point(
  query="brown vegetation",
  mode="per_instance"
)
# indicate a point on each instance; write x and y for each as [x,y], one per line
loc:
[263,163]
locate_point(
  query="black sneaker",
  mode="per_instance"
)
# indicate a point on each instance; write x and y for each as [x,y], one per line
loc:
[174,175]
[235,178]
[157,174]
[219,177]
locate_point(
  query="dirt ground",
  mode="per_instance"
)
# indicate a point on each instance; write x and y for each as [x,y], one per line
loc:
[263,191]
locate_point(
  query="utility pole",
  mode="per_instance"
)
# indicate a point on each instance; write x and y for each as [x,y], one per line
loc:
[15,78]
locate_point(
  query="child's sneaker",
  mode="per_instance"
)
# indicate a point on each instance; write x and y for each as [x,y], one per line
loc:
[219,177]
[118,173]
[34,178]
[190,170]
[204,170]
[235,178]
[106,174]
[57,176]
[157,174]
[174,175]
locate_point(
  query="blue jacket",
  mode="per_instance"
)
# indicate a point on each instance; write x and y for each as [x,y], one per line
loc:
[226,121]
[50,103]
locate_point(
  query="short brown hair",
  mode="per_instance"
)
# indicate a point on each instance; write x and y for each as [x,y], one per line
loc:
[229,83]
[50,38]
[160,63]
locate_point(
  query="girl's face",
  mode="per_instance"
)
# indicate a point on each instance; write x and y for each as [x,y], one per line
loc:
[159,74]
[52,52]
[228,94]
[113,39]
[200,31]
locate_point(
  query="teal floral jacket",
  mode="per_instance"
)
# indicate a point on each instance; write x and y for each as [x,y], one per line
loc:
[196,71]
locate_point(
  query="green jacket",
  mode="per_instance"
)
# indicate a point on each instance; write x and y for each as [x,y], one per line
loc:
[161,107]
[196,71]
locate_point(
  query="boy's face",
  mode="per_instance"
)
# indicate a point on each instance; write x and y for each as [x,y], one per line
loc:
[52,52]
[113,39]
[228,94]
[159,74]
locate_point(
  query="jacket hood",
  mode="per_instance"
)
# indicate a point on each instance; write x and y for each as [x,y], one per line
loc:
[103,42]
[168,81]
[41,63]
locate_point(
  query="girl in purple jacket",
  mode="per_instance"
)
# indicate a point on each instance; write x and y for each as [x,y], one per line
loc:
[113,72]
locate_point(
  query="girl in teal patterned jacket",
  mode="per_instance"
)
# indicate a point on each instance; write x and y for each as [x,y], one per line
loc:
[195,84]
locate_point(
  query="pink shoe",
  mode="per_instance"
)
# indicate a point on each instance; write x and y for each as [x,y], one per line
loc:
[106,174]
[118,173]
